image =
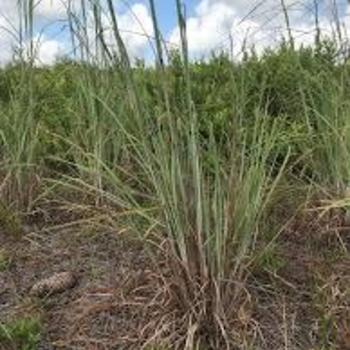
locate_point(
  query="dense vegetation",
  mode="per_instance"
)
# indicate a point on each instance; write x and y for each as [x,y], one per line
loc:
[206,161]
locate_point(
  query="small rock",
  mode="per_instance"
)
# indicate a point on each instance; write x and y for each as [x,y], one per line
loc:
[57,283]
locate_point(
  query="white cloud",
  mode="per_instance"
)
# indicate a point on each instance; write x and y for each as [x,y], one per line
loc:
[52,9]
[258,8]
[47,50]
[7,39]
[213,24]
[135,24]
[256,23]
[8,8]
[136,29]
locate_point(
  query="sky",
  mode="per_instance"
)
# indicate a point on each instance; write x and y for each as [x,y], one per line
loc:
[212,25]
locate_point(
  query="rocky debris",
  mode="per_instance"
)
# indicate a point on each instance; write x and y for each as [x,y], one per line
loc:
[57,283]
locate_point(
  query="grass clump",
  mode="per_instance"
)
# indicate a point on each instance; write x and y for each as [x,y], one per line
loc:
[199,197]
[21,334]
[4,260]
[10,221]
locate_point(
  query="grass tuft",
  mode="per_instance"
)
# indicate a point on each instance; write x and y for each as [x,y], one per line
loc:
[21,334]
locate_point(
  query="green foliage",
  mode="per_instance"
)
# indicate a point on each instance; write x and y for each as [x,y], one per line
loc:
[271,259]
[284,83]
[4,260]
[21,334]
[10,221]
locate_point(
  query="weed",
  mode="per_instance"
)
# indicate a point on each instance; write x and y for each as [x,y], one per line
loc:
[21,334]
[10,221]
[4,260]
[271,259]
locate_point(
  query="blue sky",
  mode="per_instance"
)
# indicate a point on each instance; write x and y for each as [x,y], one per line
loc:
[167,12]
[166,9]
[212,25]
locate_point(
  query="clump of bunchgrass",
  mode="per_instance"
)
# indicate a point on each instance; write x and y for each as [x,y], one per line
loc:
[23,333]
[5,260]
[202,207]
